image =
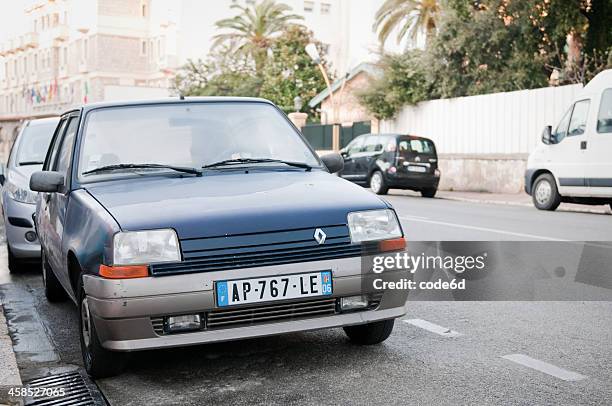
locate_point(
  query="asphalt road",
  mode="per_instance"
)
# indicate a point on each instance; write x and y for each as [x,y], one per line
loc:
[445,220]
[441,352]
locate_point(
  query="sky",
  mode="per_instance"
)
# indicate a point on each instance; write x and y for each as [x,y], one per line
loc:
[360,38]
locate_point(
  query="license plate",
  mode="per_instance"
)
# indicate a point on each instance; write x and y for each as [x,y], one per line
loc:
[244,291]
[421,169]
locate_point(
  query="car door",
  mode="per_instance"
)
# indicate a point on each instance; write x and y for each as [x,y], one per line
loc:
[366,159]
[351,150]
[567,156]
[43,220]
[58,202]
[599,147]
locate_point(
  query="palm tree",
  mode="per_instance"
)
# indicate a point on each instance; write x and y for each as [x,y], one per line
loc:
[411,16]
[251,31]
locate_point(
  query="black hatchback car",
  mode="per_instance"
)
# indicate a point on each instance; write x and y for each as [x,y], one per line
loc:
[385,161]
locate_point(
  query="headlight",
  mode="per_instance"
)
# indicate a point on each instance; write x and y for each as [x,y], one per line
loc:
[20,195]
[145,247]
[373,225]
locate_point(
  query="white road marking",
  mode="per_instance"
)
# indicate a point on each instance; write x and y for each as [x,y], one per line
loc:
[545,367]
[433,328]
[490,230]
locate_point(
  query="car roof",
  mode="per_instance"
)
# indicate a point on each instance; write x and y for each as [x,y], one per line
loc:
[169,100]
[397,135]
[41,121]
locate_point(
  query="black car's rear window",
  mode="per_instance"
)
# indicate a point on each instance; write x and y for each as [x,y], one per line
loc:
[415,146]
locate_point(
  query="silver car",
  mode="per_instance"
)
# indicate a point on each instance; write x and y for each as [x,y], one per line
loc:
[18,201]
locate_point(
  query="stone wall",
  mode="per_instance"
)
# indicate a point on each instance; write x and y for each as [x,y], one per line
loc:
[483,173]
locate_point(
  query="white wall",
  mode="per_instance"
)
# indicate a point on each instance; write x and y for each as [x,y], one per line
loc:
[500,123]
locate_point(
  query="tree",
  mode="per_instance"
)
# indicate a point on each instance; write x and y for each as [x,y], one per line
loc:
[409,16]
[289,72]
[487,46]
[253,29]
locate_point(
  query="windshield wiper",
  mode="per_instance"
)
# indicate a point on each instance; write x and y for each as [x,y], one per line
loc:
[23,163]
[241,161]
[193,171]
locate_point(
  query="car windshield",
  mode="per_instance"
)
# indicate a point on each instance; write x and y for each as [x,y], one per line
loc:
[34,143]
[189,135]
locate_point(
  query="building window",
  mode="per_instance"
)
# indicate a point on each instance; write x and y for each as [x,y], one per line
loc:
[143,48]
[325,8]
[84,50]
[309,6]
[55,19]
[143,10]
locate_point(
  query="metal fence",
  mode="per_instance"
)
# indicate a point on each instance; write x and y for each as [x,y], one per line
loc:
[320,135]
[499,123]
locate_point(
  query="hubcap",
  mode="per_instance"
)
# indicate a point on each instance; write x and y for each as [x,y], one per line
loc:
[375,182]
[85,322]
[543,192]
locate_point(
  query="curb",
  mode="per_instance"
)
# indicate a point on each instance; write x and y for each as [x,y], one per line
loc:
[9,372]
[563,206]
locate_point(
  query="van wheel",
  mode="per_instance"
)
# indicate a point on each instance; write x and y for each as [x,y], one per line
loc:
[99,362]
[545,195]
[429,192]
[371,333]
[54,291]
[377,183]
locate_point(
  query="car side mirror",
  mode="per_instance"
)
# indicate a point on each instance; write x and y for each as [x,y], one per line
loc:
[46,181]
[547,137]
[2,174]
[334,162]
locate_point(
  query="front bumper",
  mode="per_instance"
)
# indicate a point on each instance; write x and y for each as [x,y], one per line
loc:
[18,221]
[123,310]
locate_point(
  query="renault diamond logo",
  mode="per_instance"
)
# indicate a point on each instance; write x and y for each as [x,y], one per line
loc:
[319,236]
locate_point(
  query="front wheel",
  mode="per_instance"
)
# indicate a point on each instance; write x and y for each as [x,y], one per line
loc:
[378,184]
[54,292]
[371,333]
[13,263]
[99,362]
[429,192]
[545,194]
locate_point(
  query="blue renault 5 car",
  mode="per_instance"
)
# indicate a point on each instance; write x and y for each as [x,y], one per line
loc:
[188,221]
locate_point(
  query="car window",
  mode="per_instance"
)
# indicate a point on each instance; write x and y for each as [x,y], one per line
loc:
[65,151]
[187,134]
[416,146]
[604,117]
[34,143]
[52,153]
[374,143]
[355,146]
[578,121]
[561,130]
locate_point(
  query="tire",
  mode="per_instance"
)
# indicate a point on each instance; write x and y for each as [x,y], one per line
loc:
[99,362]
[378,184]
[14,264]
[545,195]
[371,333]
[54,291]
[429,192]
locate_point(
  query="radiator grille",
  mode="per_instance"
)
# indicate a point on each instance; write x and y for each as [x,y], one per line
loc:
[270,313]
[261,249]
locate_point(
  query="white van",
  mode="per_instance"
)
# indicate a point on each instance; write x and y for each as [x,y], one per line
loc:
[574,163]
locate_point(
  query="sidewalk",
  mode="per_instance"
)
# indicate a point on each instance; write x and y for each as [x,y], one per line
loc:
[515,199]
[9,373]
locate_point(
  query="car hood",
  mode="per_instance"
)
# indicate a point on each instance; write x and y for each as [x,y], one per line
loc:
[20,175]
[233,202]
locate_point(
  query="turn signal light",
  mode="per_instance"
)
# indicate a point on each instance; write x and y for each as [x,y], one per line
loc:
[396,244]
[124,272]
